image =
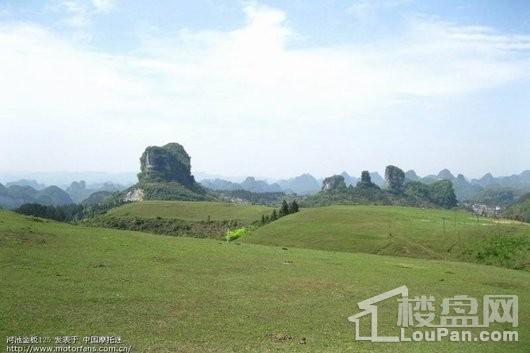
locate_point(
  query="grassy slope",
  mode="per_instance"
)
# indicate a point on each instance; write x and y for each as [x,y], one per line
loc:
[389,230]
[166,294]
[192,211]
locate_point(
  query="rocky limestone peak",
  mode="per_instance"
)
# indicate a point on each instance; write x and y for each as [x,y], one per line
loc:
[445,174]
[461,178]
[77,185]
[411,175]
[334,182]
[366,180]
[487,178]
[168,163]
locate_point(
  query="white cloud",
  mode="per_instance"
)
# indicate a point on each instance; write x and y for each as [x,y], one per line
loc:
[238,85]
[361,9]
[253,69]
[103,5]
[80,13]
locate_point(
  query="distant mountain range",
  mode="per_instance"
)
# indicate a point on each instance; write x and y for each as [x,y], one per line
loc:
[79,191]
[302,185]
[476,189]
[17,193]
[499,190]
[63,179]
[306,184]
[14,196]
[249,184]
[26,182]
[515,181]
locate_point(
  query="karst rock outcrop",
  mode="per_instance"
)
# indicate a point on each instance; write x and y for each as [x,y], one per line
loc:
[169,163]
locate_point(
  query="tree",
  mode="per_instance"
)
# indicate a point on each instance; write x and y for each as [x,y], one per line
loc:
[442,194]
[274,216]
[418,190]
[284,210]
[293,207]
[394,178]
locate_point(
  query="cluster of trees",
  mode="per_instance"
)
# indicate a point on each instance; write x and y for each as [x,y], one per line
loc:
[520,210]
[440,193]
[68,213]
[64,213]
[497,197]
[285,209]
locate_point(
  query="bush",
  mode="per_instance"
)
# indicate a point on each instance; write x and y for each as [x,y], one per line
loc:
[236,233]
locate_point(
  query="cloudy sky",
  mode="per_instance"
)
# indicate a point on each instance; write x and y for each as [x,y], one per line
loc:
[266,88]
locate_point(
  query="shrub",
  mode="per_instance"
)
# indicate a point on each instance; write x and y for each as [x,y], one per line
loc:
[236,233]
[501,250]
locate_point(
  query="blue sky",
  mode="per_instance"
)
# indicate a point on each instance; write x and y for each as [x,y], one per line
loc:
[266,88]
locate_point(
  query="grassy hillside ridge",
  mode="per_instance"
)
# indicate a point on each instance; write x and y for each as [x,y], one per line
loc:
[192,211]
[180,218]
[166,294]
[401,231]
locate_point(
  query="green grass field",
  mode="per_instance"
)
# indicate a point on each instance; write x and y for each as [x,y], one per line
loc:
[391,230]
[168,294]
[192,211]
